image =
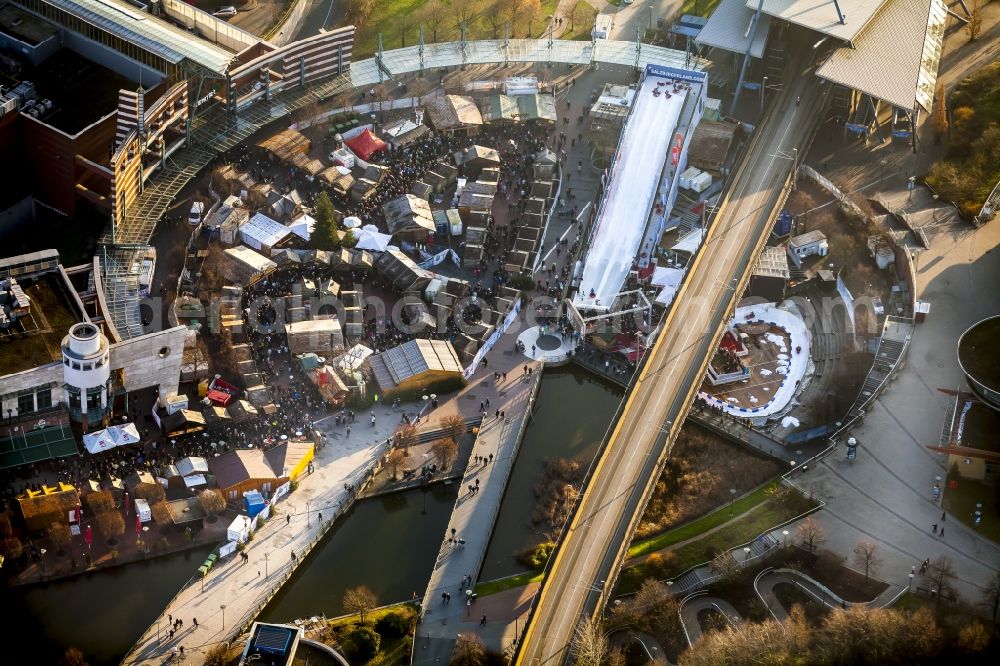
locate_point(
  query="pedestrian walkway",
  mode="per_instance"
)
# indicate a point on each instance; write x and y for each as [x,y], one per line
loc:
[765,583]
[235,591]
[692,607]
[448,606]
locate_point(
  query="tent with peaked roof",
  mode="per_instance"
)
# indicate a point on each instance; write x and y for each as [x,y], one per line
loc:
[372,240]
[366,144]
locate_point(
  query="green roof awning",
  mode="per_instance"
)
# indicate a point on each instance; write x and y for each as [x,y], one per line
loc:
[37,445]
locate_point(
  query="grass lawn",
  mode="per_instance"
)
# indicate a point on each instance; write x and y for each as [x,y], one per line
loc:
[703,524]
[789,596]
[371,617]
[584,23]
[770,514]
[970,170]
[395,652]
[510,582]
[961,504]
[399,22]
[699,7]
[911,602]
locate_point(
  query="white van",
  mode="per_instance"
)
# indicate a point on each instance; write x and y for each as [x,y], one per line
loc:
[197,210]
[142,510]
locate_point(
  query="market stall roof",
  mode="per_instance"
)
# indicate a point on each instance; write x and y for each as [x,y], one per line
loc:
[896,57]
[372,240]
[192,465]
[726,28]
[453,111]
[262,231]
[366,144]
[286,144]
[111,437]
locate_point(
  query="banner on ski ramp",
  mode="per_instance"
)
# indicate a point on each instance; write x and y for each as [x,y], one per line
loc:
[492,340]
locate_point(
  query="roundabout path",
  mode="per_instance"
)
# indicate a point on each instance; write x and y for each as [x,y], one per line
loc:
[766,581]
[693,605]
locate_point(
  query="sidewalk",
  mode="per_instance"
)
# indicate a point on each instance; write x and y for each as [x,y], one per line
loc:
[457,566]
[233,593]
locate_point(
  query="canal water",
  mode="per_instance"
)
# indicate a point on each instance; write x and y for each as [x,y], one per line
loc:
[387,543]
[102,613]
[571,416]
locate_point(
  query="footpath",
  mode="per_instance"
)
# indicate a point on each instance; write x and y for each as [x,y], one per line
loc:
[468,533]
[220,606]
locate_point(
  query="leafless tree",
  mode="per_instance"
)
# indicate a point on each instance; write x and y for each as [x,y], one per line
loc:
[469,651]
[453,426]
[991,596]
[975,24]
[811,534]
[445,451]
[496,16]
[406,436]
[359,600]
[866,556]
[432,15]
[589,646]
[394,459]
[941,573]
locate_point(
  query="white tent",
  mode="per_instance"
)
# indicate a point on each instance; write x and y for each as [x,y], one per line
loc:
[372,240]
[302,226]
[111,437]
[352,222]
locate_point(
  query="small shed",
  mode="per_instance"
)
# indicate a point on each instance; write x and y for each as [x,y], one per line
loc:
[806,245]
[243,263]
[415,364]
[409,218]
[286,144]
[322,336]
[242,470]
[474,158]
[403,132]
[402,272]
[454,114]
[263,233]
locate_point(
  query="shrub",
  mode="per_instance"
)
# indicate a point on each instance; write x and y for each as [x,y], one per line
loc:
[161,513]
[537,557]
[212,501]
[151,492]
[111,524]
[362,644]
[59,534]
[394,625]
[99,502]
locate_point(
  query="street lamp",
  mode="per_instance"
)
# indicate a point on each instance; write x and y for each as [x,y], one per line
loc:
[763,85]
[732,500]
[881,178]
[308,514]
[265,564]
[746,552]
[785,534]
[222,607]
[651,17]
[910,586]
[913,184]
[936,198]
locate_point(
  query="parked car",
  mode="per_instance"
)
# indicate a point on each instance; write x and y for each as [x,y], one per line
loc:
[225,12]
[197,209]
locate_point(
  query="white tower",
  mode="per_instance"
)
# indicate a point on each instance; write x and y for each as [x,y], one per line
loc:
[87,373]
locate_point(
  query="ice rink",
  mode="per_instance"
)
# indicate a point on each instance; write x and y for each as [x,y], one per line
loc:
[634,178]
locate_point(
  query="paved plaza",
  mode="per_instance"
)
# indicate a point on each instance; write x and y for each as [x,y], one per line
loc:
[234,591]
[886,494]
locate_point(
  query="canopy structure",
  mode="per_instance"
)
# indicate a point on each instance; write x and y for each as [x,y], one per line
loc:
[366,144]
[372,240]
[111,437]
